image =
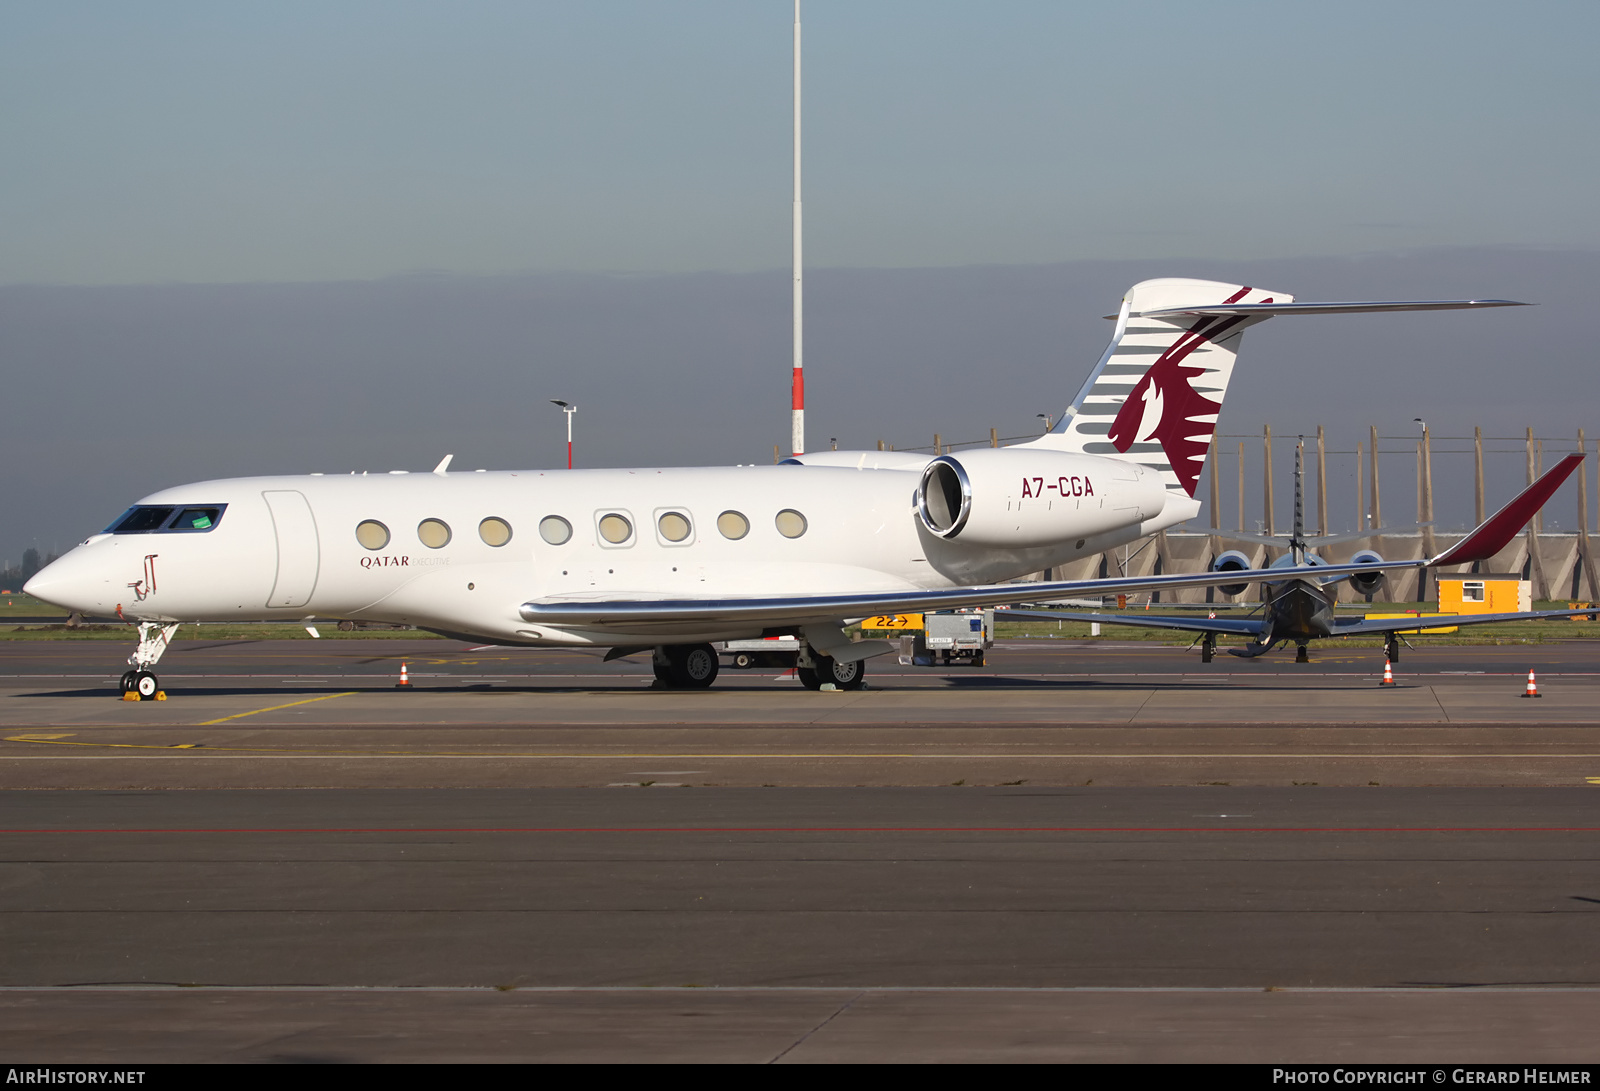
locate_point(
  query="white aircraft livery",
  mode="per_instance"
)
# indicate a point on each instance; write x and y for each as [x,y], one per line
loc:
[668,560]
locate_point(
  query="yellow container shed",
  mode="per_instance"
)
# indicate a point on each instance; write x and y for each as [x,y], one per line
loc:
[1484,593]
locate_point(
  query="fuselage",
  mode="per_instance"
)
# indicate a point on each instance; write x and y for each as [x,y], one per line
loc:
[460,552]
[1299,610]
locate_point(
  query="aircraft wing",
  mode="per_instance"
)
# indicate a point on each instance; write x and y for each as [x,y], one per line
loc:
[801,609]
[1359,626]
[1251,627]
[1193,623]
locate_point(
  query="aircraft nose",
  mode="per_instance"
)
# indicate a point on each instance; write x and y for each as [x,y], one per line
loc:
[47,585]
[73,582]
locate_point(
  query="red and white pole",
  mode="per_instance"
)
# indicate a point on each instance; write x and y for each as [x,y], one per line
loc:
[568,409]
[797,417]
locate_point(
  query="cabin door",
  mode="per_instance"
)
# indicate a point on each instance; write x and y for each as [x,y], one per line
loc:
[298,553]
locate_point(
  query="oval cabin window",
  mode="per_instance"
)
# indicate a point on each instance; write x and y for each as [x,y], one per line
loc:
[733,525]
[674,526]
[494,532]
[790,523]
[615,528]
[555,530]
[372,534]
[433,533]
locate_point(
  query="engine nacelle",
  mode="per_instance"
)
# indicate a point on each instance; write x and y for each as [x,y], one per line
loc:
[1024,496]
[1367,583]
[1231,561]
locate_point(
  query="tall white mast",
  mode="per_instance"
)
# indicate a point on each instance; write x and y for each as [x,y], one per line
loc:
[797,425]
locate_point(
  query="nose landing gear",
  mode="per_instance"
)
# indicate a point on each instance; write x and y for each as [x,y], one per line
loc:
[141,684]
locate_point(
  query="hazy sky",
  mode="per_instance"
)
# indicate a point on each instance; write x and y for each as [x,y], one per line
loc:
[201,142]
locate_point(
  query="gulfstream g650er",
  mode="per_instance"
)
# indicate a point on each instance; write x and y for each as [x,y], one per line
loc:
[671,559]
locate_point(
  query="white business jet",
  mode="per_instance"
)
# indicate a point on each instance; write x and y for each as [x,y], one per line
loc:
[668,560]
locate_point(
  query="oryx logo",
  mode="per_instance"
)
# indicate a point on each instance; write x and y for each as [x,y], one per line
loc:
[1165,406]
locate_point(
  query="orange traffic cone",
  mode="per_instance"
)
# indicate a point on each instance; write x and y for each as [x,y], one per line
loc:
[1533,687]
[1388,673]
[405,682]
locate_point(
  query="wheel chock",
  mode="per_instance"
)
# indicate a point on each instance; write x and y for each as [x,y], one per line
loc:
[131,695]
[161,695]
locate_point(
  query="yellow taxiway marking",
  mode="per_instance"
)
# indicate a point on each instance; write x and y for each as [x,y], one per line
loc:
[41,738]
[274,708]
[1592,780]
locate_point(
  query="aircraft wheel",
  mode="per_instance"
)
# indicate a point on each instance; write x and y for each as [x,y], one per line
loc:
[145,684]
[1392,649]
[690,666]
[127,680]
[828,669]
[744,660]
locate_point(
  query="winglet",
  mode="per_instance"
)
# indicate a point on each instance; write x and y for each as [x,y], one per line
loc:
[1507,523]
[444,464]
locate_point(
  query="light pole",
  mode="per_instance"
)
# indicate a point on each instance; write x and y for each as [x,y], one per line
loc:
[568,410]
[1045,417]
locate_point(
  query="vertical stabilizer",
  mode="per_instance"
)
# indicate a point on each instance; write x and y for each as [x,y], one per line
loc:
[1155,394]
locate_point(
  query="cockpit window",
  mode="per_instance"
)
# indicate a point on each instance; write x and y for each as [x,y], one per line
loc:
[140,521]
[197,519]
[147,519]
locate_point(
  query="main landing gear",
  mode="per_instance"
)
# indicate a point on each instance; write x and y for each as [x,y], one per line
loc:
[1391,647]
[141,683]
[816,670]
[1208,647]
[686,666]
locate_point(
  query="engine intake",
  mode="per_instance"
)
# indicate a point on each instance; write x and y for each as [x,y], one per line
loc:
[944,499]
[1367,583]
[1231,561]
[1021,496]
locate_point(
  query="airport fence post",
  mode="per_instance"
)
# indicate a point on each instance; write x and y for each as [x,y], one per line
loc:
[1541,586]
[1322,482]
[1266,446]
[1241,485]
[1585,549]
[1477,475]
[1375,519]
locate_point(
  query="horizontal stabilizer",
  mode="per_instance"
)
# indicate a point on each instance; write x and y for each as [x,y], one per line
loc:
[1272,310]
